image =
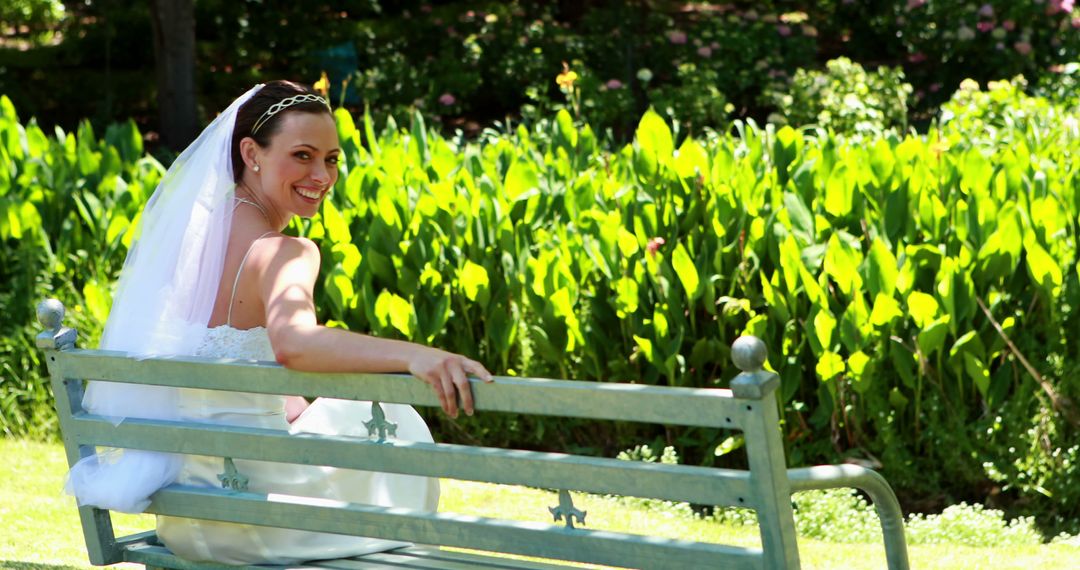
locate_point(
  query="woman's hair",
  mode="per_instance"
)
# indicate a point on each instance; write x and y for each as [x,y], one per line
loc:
[253,110]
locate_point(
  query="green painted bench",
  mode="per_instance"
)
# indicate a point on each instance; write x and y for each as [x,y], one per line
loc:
[750,406]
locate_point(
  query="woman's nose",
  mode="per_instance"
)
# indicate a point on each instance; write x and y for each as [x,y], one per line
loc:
[321,173]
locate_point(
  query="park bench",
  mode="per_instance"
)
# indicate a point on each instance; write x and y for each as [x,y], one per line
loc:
[750,406]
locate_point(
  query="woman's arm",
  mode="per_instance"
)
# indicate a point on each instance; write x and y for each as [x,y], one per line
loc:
[287,280]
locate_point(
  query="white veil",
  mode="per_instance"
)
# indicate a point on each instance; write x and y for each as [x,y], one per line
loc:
[162,306]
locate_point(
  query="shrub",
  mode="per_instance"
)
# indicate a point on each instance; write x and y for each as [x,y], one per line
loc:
[942,42]
[845,98]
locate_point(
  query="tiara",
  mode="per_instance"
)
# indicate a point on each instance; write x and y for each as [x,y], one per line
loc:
[285,104]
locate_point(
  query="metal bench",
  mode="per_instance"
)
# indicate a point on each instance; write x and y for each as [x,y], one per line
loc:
[750,406]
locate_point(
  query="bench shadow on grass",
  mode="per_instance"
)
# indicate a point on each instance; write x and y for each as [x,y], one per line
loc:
[16,565]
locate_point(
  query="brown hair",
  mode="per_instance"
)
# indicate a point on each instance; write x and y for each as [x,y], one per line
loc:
[253,109]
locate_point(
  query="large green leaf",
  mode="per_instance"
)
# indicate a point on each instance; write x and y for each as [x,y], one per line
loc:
[98,300]
[521,180]
[802,221]
[688,274]
[1043,269]
[881,270]
[654,136]
[839,192]
[626,299]
[842,264]
[829,366]
[392,310]
[885,312]
[336,228]
[474,282]
[923,308]
[822,325]
[339,287]
[931,338]
[693,160]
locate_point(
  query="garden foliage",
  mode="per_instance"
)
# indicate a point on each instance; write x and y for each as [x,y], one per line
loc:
[469,63]
[915,291]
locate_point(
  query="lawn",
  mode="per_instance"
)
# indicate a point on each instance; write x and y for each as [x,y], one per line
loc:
[42,528]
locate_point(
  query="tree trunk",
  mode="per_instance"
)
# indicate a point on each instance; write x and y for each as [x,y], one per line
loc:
[174,53]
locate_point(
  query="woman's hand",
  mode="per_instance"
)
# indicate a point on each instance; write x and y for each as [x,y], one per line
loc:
[448,375]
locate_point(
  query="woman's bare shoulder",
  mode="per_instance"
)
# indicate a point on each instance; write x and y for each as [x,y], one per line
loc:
[280,249]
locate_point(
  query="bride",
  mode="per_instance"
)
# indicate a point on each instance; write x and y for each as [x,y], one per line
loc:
[212,275]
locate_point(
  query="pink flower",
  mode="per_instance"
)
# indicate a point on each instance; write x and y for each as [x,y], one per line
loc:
[1009,25]
[613,84]
[714,46]
[783,30]
[986,11]
[654,245]
[1076,22]
[676,37]
[912,4]
[935,87]
[1022,48]
[1056,6]
[985,26]
[917,57]
[704,51]
[447,99]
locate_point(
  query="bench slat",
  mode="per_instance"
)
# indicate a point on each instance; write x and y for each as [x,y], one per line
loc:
[701,485]
[706,407]
[524,538]
[429,557]
[420,557]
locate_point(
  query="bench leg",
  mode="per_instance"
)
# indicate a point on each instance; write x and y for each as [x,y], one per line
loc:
[881,494]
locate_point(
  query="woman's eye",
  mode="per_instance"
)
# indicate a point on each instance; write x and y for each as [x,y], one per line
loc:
[302,155]
[332,159]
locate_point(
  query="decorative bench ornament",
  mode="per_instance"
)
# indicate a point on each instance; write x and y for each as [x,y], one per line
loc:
[750,406]
[231,478]
[378,426]
[566,511]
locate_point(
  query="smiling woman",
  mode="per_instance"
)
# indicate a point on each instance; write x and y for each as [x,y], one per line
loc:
[212,275]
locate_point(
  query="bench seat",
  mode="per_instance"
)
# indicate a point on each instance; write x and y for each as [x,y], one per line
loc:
[143,549]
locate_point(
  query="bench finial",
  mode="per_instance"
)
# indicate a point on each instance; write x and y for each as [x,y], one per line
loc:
[50,313]
[748,353]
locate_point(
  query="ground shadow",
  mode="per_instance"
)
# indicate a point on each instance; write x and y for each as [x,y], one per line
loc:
[16,565]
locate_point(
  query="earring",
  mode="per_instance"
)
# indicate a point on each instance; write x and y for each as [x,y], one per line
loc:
[255,168]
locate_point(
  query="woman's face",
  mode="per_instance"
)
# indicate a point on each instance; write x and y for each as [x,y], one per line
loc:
[300,165]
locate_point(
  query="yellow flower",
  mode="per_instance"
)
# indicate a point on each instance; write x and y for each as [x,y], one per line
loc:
[322,86]
[567,78]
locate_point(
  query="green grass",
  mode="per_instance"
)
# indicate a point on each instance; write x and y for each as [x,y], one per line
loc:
[42,528]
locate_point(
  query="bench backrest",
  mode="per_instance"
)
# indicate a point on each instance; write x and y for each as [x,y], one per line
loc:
[749,406]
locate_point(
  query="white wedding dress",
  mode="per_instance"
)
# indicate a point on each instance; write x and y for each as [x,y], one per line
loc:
[229,543]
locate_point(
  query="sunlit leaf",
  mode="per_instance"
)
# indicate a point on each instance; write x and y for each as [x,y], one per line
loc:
[923,308]
[684,268]
[882,269]
[520,180]
[474,281]
[829,366]
[392,310]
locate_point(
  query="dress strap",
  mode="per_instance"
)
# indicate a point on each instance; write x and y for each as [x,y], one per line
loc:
[236,281]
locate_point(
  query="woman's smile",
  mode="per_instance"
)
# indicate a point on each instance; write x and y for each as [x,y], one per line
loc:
[313,195]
